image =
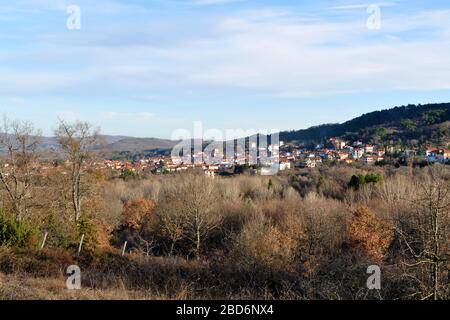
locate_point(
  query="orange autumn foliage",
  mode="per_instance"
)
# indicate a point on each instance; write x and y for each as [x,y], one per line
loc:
[369,234]
[136,212]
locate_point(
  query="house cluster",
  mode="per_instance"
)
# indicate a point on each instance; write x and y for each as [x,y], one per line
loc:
[212,162]
[278,156]
[337,150]
[437,155]
[215,161]
[140,166]
[159,165]
[282,157]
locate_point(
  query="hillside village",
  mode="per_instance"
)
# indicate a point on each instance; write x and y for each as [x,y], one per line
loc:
[402,135]
[326,199]
[224,158]
[290,157]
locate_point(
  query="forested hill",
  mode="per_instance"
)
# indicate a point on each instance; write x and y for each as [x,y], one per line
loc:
[426,123]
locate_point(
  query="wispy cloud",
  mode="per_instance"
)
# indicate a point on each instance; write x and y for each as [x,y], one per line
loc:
[214,2]
[363,5]
[169,59]
[269,53]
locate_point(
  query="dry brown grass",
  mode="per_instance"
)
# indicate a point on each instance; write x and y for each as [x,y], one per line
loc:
[274,238]
[14,287]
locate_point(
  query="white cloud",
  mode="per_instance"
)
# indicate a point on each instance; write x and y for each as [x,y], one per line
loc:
[213,2]
[265,52]
[363,5]
[291,57]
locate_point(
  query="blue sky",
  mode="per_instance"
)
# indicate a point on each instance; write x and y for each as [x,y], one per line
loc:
[146,68]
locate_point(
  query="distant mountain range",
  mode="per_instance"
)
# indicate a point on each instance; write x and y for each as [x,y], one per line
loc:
[50,143]
[129,147]
[422,124]
[119,147]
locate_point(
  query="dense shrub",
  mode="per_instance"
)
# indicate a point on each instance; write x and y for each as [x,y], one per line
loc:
[88,228]
[304,235]
[271,239]
[60,232]
[369,234]
[129,175]
[137,213]
[16,233]
[357,181]
[138,225]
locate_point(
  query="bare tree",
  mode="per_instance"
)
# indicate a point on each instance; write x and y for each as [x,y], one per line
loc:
[77,141]
[425,234]
[169,212]
[189,211]
[18,141]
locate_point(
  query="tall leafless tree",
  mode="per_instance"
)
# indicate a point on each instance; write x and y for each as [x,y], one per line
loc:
[19,142]
[77,141]
[190,211]
[425,234]
[169,212]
